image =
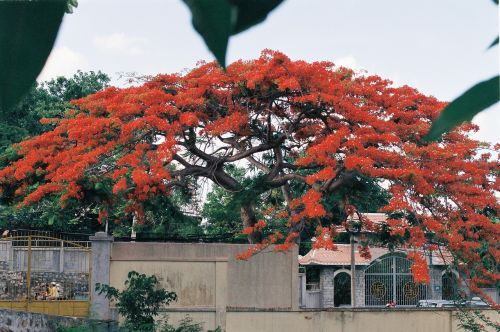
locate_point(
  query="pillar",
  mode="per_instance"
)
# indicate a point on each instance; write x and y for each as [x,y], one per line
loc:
[101,259]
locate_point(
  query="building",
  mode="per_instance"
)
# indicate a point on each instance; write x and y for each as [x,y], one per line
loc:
[327,280]
[384,278]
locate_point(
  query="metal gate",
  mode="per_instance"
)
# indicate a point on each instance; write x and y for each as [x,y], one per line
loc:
[390,279]
[45,274]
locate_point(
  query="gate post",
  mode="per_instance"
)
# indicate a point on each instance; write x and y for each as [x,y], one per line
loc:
[101,257]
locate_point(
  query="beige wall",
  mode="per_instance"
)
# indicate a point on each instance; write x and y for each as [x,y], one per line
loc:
[192,281]
[209,275]
[346,321]
[208,278]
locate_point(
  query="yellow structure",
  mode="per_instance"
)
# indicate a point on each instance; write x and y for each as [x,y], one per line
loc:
[59,308]
[28,264]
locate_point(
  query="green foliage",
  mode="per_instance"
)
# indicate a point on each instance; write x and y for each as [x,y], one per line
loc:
[45,100]
[217,20]
[185,325]
[473,101]
[475,321]
[87,326]
[70,5]
[28,30]
[222,210]
[493,43]
[476,99]
[140,301]
[163,220]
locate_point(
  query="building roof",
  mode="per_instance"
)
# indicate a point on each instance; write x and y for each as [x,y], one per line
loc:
[342,256]
[375,218]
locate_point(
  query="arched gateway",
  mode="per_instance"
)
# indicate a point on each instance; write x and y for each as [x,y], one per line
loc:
[389,278]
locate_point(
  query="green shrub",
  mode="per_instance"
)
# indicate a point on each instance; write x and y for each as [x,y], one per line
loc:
[140,301]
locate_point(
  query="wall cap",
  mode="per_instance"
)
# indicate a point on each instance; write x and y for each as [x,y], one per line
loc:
[101,236]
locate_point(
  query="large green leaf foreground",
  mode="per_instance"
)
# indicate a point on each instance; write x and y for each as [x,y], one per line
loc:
[28,30]
[464,108]
[217,20]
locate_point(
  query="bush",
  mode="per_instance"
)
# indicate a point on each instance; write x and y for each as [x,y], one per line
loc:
[140,301]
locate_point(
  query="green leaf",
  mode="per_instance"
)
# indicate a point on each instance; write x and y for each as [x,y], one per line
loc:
[70,5]
[51,220]
[495,42]
[217,20]
[252,12]
[473,101]
[212,20]
[28,30]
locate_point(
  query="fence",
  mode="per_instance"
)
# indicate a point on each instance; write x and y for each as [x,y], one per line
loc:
[45,274]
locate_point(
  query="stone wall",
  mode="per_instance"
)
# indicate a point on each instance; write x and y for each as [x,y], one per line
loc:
[13,284]
[326,286]
[359,291]
[17,321]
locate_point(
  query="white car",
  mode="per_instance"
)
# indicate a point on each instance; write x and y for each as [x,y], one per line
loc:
[435,304]
[475,302]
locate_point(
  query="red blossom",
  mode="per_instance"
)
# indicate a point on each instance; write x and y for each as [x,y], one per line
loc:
[309,125]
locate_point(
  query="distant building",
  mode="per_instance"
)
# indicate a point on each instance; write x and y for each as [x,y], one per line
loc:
[386,277]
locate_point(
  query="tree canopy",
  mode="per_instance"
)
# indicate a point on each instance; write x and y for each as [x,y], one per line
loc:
[49,99]
[287,123]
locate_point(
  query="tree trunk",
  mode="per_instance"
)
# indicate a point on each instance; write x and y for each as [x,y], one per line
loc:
[248,217]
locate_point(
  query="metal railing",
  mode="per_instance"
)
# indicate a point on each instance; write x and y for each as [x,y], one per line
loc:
[313,287]
[390,279]
[47,238]
[36,270]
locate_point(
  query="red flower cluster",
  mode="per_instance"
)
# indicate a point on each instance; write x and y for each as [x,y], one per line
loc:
[286,119]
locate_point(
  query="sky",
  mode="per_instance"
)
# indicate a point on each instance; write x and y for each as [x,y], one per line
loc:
[436,46]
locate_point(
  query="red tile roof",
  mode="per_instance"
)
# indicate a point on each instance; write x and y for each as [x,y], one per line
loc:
[376,218]
[342,256]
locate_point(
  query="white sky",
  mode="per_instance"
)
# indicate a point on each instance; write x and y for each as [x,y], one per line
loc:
[436,46]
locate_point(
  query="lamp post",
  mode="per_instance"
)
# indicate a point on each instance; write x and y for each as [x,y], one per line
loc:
[353,272]
[354,230]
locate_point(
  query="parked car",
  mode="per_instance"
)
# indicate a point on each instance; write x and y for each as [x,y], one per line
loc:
[475,302]
[434,303]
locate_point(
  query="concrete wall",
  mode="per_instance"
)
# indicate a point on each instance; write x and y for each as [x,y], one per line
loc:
[348,321]
[207,275]
[51,259]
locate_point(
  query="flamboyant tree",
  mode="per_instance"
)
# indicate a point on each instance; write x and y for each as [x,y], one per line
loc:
[289,123]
